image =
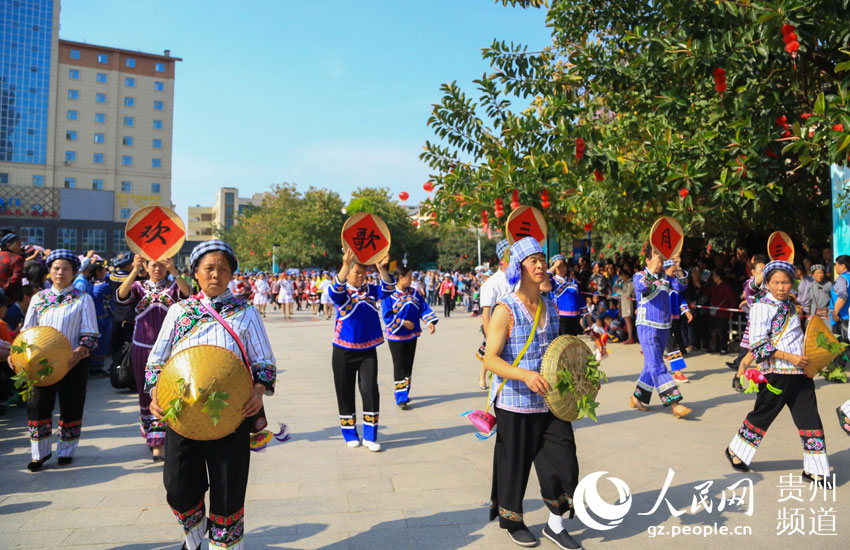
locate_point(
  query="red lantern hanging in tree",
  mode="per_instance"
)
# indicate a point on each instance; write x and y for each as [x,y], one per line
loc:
[588,227]
[579,149]
[429,186]
[792,45]
[598,175]
[683,192]
[515,200]
[720,80]
[403,195]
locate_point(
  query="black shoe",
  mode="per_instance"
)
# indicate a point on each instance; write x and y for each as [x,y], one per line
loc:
[36,465]
[740,466]
[736,384]
[98,373]
[65,460]
[818,480]
[522,537]
[403,406]
[160,458]
[562,539]
[843,421]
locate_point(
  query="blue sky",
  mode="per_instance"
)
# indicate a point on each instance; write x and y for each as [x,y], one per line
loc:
[332,94]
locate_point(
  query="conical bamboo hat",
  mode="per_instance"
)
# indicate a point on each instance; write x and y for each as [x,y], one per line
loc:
[819,357]
[204,369]
[570,353]
[42,350]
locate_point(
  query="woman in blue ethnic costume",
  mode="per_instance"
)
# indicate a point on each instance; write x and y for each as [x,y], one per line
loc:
[527,432]
[356,335]
[402,311]
[189,323]
[71,312]
[653,287]
[567,293]
[777,344]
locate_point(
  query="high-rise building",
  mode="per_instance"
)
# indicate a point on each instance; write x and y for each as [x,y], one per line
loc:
[203,220]
[85,132]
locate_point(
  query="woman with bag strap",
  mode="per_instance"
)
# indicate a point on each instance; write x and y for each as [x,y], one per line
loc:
[212,317]
[528,432]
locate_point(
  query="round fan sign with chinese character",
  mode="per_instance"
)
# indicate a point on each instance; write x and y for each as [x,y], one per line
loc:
[155,232]
[526,221]
[780,247]
[666,237]
[368,236]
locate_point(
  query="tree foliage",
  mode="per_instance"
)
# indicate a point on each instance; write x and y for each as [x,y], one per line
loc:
[699,109]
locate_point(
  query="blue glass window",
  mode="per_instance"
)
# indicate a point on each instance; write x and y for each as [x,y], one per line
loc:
[72,114]
[102,58]
[129,101]
[74,54]
[73,94]
[4,177]
[70,156]
[66,237]
[160,67]
[126,186]
[70,183]
[100,98]
[130,62]
[130,82]
[26,30]
[157,125]
[156,163]
[125,215]
[71,135]
[157,105]
[97,158]
[157,144]
[73,74]
[155,188]
[128,121]
[158,86]
[127,140]
[101,77]
[98,138]
[97,184]
[38,181]
[127,160]
[100,118]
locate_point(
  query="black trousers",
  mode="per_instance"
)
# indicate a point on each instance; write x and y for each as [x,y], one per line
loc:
[523,439]
[719,341]
[72,400]
[447,305]
[351,366]
[186,479]
[403,353]
[569,325]
[798,394]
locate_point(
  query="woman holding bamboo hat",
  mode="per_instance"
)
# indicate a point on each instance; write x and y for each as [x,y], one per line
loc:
[212,317]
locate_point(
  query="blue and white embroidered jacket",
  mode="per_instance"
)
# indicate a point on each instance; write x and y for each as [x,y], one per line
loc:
[678,304]
[405,305]
[358,325]
[567,295]
[516,396]
[653,291]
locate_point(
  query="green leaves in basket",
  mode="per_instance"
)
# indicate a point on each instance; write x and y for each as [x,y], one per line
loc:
[20,348]
[45,370]
[175,407]
[587,407]
[24,384]
[215,403]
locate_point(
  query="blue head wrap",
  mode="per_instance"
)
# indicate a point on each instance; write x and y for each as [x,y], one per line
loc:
[64,254]
[669,263]
[521,250]
[206,247]
[779,265]
[557,257]
[7,238]
[502,247]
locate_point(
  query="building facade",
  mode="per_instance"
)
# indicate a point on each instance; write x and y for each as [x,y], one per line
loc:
[203,220]
[85,132]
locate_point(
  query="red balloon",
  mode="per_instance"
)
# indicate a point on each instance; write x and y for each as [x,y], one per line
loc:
[403,195]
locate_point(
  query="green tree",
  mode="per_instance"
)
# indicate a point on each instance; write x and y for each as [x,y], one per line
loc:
[304,226]
[458,249]
[724,114]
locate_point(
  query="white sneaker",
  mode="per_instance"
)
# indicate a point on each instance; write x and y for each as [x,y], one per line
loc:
[373,446]
[353,444]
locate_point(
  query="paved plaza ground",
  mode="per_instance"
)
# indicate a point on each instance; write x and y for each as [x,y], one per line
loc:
[430,487]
